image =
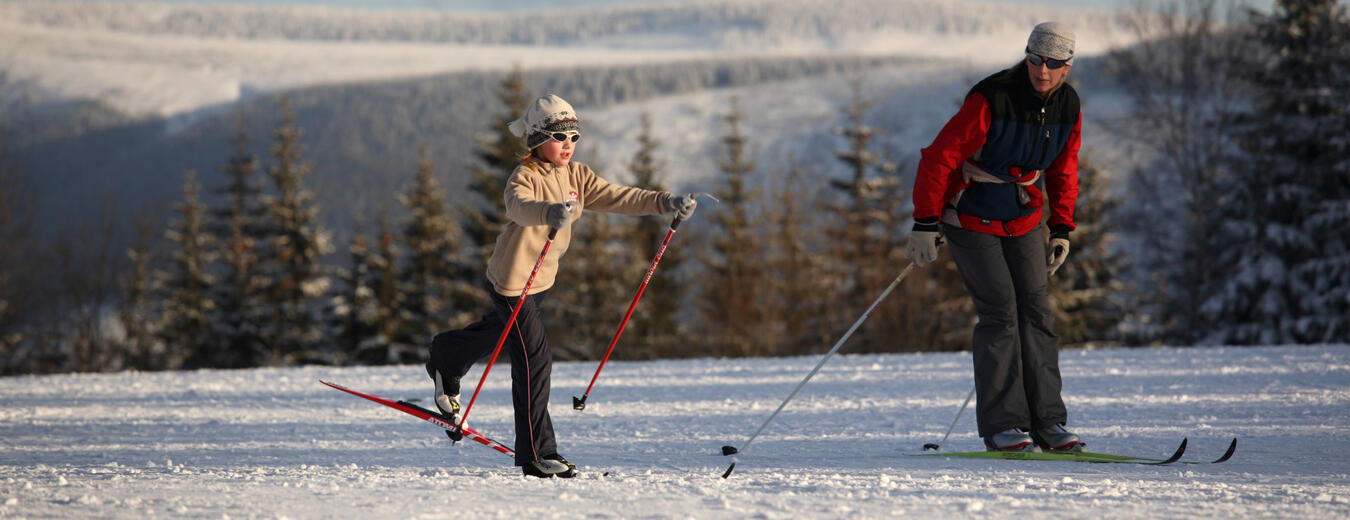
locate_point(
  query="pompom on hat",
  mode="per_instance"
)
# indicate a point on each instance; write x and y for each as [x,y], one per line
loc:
[1052,40]
[546,115]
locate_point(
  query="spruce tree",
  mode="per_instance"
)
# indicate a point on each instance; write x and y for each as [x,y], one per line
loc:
[733,277]
[656,328]
[866,222]
[390,317]
[354,309]
[798,277]
[1285,244]
[138,311]
[498,154]
[436,298]
[187,305]
[598,286]
[1087,293]
[241,227]
[295,278]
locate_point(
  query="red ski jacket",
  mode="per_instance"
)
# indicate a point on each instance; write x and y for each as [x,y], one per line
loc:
[1025,150]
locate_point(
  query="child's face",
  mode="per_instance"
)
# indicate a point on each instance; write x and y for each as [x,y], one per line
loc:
[559,152]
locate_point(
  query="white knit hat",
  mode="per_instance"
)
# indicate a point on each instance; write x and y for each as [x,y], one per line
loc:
[1053,40]
[546,115]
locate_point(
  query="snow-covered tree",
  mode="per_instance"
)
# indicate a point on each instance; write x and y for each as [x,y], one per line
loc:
[188,308]
[1184,80]
[241,230]
[354,311]
[295,277]
[1284,244]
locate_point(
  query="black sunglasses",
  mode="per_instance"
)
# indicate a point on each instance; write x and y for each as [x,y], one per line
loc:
[561,137]
[1036,60]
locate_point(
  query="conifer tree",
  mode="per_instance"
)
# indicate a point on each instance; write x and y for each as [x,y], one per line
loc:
[497,156]
[1087,294]
[733,278]
[187,305]
[435,297]
[241,228]
[354,309]
[390,319]
[138,311]
[598,289]
[798,277]
[1285,245]
[867,224]
[656,328]
[295,276]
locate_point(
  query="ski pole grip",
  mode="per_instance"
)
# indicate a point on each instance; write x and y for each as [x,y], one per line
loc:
[552,232]
[674,225]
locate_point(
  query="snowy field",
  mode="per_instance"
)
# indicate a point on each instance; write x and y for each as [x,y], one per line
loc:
[275,443]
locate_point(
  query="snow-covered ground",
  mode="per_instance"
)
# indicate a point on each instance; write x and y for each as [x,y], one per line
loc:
[274,443]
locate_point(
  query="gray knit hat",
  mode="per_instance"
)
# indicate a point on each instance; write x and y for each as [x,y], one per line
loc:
[546,115]
[1053,40]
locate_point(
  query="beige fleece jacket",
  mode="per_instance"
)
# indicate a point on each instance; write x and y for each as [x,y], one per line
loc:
[529,193]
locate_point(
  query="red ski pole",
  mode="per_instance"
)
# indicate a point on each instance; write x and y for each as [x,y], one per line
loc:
[579,403]
[519,303]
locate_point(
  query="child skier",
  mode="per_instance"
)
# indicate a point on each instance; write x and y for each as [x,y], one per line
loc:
[547,190]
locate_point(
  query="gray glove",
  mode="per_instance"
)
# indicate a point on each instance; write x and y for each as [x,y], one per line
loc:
[924,241]
[682,205]
[1059,250]
[560,214]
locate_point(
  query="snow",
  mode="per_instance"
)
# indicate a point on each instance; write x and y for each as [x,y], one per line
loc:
[157,60]
[276,443]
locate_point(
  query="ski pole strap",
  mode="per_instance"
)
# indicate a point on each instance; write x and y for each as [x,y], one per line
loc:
[837,344]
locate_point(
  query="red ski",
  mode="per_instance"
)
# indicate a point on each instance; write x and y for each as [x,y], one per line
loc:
[428,416]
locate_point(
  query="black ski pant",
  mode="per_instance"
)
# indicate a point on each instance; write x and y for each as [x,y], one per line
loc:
[1016,351]
[453,352]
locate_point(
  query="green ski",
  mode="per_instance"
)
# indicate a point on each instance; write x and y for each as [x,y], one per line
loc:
[1073,456]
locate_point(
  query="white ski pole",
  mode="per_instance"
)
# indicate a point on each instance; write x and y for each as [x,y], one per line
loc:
[732,450]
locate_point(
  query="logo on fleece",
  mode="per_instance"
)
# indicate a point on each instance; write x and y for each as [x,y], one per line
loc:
[572,197]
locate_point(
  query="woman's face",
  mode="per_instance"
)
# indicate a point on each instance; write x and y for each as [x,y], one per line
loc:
[559,152]
[1044,79]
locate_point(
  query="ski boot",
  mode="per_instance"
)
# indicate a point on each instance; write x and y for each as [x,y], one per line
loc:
[1056,438]
[1011,439]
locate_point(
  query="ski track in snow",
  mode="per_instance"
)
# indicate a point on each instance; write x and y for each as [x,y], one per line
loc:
[275,443]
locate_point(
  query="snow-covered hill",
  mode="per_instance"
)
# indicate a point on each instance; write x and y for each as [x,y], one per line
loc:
[158,59]
[275,443]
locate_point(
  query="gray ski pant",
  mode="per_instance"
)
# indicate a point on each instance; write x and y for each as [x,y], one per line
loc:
[454,352]
[1016,351]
